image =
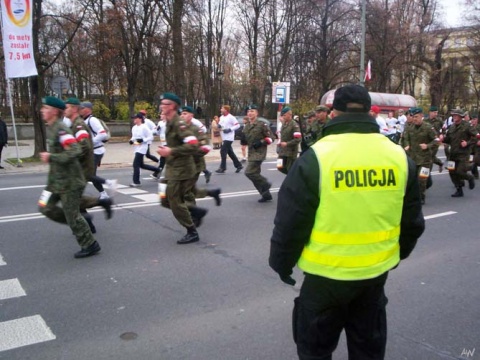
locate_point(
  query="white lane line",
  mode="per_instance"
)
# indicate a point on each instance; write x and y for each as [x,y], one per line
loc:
[2,262]
[23,187]
[147,197]
[131,191]
[11,289]
[24,331]
[434,216]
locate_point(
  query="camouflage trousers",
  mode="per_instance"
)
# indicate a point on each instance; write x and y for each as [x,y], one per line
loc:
[462,165]
[69,214]
[196,193]
[287,162]
[178,198]
[252,172]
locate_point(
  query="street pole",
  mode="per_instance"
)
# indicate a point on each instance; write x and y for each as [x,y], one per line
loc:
[362,49]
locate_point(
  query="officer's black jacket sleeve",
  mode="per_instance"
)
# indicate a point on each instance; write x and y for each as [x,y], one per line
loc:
[413,223]
[298,200]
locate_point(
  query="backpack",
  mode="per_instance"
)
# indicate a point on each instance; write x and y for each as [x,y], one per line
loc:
[104,126]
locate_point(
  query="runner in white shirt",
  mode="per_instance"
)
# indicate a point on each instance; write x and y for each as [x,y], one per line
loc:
[141,135]
[227,125]
[153,129]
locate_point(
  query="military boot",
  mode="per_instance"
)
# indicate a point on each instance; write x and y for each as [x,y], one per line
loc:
[215,193]
[471,183]
[107,205]
[197,214]
[89,251]
[458,193]
[208,175]
[190,237]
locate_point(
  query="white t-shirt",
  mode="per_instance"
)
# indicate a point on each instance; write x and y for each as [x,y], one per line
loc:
[392,125]
[382,125]
[228,122]
[151,126]
[98,134]
[200,125]
[161,128]
[402,119]
[141,132]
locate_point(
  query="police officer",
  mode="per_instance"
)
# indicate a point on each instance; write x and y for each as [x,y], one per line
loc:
[421,139]
[460,136]
[181,171]
[290,137]
[65,177]
[366,220]
[258,137]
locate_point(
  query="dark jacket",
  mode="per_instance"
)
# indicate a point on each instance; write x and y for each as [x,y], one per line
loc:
[299,199]
[3,133]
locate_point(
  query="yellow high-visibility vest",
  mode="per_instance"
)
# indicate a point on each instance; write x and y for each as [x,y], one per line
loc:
[357,225]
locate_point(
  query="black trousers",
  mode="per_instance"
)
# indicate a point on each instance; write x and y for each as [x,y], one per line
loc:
[225,150]
[325,307]
[97,181]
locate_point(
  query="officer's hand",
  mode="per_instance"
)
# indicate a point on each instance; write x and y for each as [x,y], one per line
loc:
[226,131]
[257,144]
[131,142]
[139,141]
[219,126]
[288,280]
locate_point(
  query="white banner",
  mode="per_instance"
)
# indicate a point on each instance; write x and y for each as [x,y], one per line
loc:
[17,38]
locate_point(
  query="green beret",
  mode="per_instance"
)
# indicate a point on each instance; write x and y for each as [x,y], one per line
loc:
[188,109]
[285,110]
[54,102]
[172,97]
[433,108]
[252,107]
[72,101]
[415,110]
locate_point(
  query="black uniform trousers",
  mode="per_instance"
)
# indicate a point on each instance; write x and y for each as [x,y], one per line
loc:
[325,307]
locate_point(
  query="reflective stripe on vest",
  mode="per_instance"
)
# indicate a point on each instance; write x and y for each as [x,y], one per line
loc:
[357,224]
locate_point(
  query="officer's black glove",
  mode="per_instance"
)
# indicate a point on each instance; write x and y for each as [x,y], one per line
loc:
[226,131]
[139,141]
[219,126]
[257,144]
[287,279]
[131,142]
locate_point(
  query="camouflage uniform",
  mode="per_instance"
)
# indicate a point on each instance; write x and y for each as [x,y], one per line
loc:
[258,138]
[476,153]
[403,139]
[66,182]
[181,169]
[437,124]
[416,135]
[313,132]
[460,155]
[200,165]
[290,133]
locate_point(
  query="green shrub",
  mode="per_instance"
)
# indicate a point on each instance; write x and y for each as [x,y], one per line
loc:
[101,111]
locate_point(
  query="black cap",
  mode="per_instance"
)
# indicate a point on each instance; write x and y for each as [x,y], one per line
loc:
[352,94]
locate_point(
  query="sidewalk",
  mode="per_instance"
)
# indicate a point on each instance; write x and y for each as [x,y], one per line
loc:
[119,154]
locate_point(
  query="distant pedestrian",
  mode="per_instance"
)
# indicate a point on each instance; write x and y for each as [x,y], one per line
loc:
[243,141]
[65,182]
[216,136]
[3,139]
[258,137]
[141,135]
[227,125]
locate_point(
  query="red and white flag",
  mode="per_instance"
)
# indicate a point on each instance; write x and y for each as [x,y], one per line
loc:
[368,71]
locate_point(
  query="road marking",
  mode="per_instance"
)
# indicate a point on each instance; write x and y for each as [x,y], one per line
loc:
[147,197]
[24,331]
[434,216]
[23,187]
[11,289]
[1,261]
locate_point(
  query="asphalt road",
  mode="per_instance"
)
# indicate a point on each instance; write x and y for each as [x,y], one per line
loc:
[145,297]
